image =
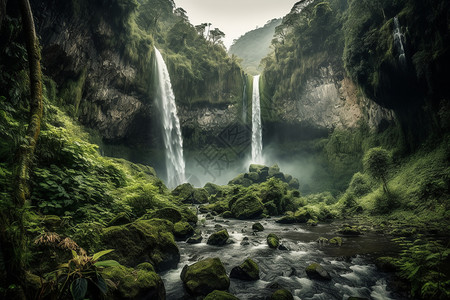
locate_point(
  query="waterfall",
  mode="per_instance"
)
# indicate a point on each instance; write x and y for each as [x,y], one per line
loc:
[256,124]
[244,101]
[173,141]
[399,38]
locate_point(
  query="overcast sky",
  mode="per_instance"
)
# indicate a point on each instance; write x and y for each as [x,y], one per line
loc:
[235,17]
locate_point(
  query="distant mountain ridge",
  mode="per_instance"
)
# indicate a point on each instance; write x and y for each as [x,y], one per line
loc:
[254,46]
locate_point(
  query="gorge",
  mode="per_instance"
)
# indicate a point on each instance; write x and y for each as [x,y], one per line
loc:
[165,168]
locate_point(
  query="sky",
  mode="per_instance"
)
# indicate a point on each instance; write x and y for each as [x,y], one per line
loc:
[234,17]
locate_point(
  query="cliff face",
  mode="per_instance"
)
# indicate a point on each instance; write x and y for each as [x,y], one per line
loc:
[329,102]
[102,89]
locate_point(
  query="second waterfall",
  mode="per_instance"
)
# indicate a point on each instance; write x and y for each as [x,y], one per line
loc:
[256,124]
[173,141]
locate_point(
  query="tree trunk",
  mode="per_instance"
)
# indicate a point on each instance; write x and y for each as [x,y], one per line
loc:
[12,233]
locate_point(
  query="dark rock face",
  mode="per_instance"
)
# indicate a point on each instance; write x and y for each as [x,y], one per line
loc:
[205,276]
[257,227]
[248,271]
[110,96]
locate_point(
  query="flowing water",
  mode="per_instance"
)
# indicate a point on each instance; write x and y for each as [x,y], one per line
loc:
[398,41]
[256,124]
[173,141]
[244,102]
[350,265]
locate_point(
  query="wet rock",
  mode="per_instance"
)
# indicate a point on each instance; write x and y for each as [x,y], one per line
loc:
[218,238]
[322,240]
[248,271]
[281,294]
[293,272]
[205,276]
[134,283]
[316,271]
[350,230]
[217,226]
[247,207]
[273,241]
[253,176]
[209,217]
[257,168]
[274,170]
[274,286]
[196,239]
[186,193]
[182,230]
[282,247]
[356,298]
[220,295]
[336,241]
[203,210]
[257,227]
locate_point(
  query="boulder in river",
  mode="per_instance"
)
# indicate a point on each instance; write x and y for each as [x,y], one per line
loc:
[205,276]
[218,238]
[167,213]
[220,295]
[196,239]
[316,271]
[273,241]
[281,294]
[248,270]
[257,227]
[182,230]
[247,207]
[336,241]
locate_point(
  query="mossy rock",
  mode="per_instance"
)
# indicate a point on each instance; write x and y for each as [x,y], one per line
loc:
[247,207]
[253,176]
[274,170]
[205,276]
[182,230]
[146,266]
[184,192]
[200,196]
[350,230]
[134,284]
[356,298]
[120,219]
[273,241]
[189,215]
[167,213]
[227,214]
[196,239]
[248,271]
[316,271]
[257,227]
[241,180]
[271,208]
[220,295]
[287,178]
[142,241]
[218,238]
[322,240]
[212,188]
[336,241]
[257,168]
[281,294]
[311,222]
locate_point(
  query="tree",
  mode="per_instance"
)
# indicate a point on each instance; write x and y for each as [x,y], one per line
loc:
[180,12]
[376,162]
[216,34]
[201,29]
[12,233]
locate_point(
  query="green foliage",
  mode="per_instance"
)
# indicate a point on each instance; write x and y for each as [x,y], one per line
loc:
[425,265]
[82,275]
[360,184]
[377,163]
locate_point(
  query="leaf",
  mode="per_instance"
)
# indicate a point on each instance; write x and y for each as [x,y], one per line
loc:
[78,288]
[97,255]
[106,263]
[101,284]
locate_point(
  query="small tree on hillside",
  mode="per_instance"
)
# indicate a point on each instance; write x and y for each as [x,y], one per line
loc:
[376,162]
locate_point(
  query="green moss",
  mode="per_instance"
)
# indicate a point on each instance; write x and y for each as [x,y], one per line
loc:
[281,294]
[218,238]
[220,295]
[273,241]
[257,227]
[248,270]
[337,241]
[205,276]
[182,230]
[167,213]
[133,284]
[247,207]
[142,240]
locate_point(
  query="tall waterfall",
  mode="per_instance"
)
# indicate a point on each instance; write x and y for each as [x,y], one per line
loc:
[244,102]
[399,38]
[173,141]
[256,124]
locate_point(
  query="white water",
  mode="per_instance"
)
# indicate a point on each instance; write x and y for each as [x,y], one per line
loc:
[398,41]
[256,124]
[173,141]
